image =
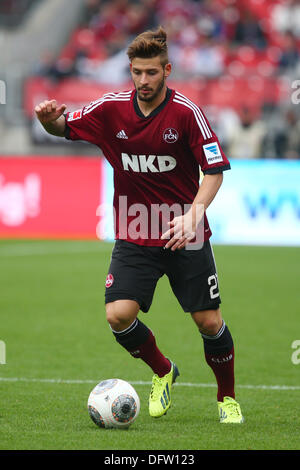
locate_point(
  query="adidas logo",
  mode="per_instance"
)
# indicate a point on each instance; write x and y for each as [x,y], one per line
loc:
[165,399]
[121,135]
[223,415]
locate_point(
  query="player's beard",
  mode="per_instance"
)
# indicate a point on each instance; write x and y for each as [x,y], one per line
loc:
[152,96]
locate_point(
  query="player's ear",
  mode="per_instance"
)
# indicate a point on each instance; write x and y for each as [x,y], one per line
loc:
[168,68]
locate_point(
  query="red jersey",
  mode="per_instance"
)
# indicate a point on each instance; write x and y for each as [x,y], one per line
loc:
[156,159]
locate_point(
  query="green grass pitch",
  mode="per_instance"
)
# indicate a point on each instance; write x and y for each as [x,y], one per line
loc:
[59,346]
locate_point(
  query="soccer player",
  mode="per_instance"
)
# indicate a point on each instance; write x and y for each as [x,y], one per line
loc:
[156,139]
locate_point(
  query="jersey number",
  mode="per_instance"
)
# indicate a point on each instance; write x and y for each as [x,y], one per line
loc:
[213,283]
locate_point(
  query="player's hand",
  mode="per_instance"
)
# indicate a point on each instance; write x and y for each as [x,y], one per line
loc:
[48,111]
[183,229]
[180,233]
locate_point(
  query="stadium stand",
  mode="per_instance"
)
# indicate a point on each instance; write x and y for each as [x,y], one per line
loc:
[235,58]
[43,25]
[12,12]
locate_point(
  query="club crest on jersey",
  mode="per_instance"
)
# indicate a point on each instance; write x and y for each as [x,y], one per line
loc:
[170,135]
[75,115]
[109,280]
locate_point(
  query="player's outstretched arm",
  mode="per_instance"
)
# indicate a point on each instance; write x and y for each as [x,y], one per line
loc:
[51,117]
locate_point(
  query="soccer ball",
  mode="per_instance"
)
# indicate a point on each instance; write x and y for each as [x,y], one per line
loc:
[113,403]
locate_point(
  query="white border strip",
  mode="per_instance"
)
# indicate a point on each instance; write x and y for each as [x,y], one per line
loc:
[179,384]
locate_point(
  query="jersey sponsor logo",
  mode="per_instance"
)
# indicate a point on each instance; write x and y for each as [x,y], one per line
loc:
[148,163]
[212,153]
[170,135]
[109,280]
[122,135]
[75,115]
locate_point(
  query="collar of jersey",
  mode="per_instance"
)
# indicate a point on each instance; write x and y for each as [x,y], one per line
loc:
[156,110]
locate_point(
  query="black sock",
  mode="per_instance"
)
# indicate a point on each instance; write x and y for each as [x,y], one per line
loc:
[218,344]
[135,335]
[140,342]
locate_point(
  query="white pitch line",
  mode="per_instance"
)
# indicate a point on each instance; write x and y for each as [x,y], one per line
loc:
[178,384]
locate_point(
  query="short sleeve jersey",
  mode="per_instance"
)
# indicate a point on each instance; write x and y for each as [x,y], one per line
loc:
[156,159]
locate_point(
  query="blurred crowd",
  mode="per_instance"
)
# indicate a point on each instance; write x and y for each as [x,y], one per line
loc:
[207,39]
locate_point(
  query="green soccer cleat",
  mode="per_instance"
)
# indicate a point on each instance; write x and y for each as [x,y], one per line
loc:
[230,411]
[160,395]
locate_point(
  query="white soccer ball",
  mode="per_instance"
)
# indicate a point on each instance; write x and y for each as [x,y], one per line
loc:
[113,403]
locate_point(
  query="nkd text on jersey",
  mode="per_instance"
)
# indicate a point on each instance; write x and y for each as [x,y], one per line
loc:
[144,163]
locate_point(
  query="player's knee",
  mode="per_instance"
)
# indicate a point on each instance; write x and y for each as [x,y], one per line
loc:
[208,322]
[121,313]
[210,327]
[114,316]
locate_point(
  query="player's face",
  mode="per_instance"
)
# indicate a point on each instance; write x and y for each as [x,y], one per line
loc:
[149,77]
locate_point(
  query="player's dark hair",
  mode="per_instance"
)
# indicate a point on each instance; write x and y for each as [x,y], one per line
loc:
[150,44]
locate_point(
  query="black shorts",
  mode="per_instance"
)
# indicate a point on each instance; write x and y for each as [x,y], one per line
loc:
[134,271]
